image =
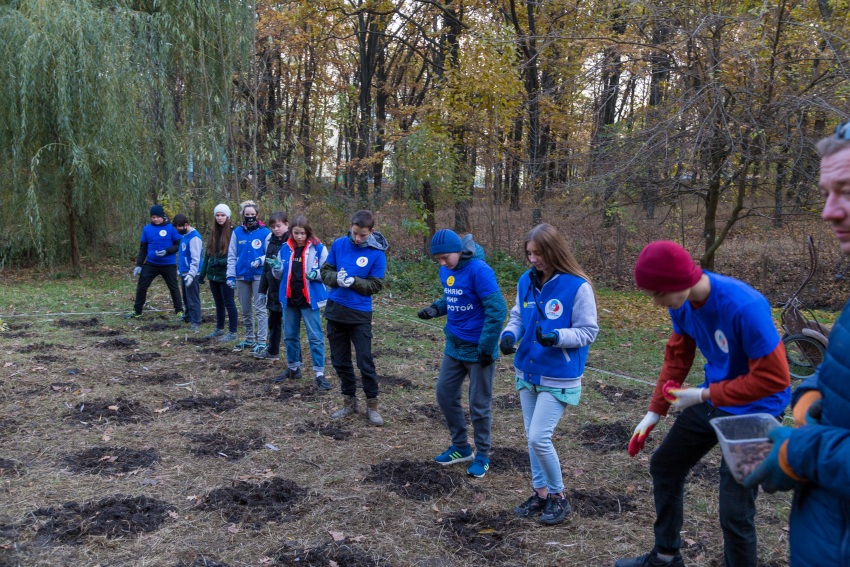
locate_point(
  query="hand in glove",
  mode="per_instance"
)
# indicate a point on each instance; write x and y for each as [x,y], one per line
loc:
[136,271]
[485,359]
[549,339]
[428,313]
[814,413]
[641,433]
[231,283]
[686,397]
[188,280]
[506,345]
[262,301]
[273,263]
[341,277]
[770,473]
[160,253]
[313,275]
[256,263]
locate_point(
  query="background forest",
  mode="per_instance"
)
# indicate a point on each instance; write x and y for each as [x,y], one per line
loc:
[619,122]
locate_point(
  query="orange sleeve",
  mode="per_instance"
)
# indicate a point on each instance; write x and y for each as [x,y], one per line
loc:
[783,462]
[768,375]
[678,359]
[803,405]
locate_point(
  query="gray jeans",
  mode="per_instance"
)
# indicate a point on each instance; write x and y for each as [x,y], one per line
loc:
[449,390]
[248,292]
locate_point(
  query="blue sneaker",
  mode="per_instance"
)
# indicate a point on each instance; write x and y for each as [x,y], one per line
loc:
[479,467]
[454,455]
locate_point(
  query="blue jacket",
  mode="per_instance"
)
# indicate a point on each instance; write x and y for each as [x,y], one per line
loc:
[314,256]
[820,513]
[246,246]
[190,253]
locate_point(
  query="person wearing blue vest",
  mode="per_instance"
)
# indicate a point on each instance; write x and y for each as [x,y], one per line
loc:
[354,271]
[746,372]
[302,294]
[188,265]
[245,258]
[475,310]
[554,321]
[157,257]
[813,460]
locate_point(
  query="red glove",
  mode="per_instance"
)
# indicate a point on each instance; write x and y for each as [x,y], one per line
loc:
[670,385]
[641,433]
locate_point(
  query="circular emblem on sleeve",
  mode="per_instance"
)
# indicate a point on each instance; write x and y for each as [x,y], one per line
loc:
[362,261]
[554,308]
[721,341]
[451,280]
[256,243]
[163,232]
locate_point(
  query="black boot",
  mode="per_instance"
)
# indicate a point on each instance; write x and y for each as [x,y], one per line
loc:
[651,560]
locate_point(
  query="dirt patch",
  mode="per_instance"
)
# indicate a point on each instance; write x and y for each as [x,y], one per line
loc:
[508,459]
[249,367]
[9,425]
[340,554]
[331,430]
[396,382]
[51,358]
[268,501]
[201,561]
[508,402]
[117,343]
[616,395]
[11,468]
[597,503]
[141,356]
[157,327]
[708,473]
[15,335]
[117,411]
[114,516]
[197,340]
[93,322]
[214,350]
[217,403]
[605,437]
[303,393]
[494,538]
[64,387]
[37,347]
[162,378]
[225,446]
[431,411]
[110,460]
[417,480]
[103,333]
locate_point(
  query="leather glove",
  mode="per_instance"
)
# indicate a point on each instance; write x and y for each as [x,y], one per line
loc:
[340,278]
[428,313]
[231,283]
[485,359]
[313,275]
[262,300]
[188,280]
[641,433]
[549,339]
[769,473]
[686,397]
[136,271]
[506,345]
[814,413]
[160,253]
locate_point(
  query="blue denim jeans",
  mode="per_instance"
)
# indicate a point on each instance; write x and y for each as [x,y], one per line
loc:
[292,337]
[541,413]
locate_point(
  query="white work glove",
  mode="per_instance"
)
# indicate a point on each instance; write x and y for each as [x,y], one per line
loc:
[641,433]
[343,279]
[258,262]
[686,397]
[136,271]
[188,280]
[160,253]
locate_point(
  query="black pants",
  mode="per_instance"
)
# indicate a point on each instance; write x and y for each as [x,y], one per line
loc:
[225,303]
[340,337]
[151,271]
[192,300]
[275,331]
[690,438]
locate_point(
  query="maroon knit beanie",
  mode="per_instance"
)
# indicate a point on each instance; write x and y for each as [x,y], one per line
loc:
[666,266]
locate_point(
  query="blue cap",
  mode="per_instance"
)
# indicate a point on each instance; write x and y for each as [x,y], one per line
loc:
[445,241]
[157,211]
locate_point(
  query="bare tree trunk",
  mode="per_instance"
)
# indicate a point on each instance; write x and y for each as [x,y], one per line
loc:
[430,216]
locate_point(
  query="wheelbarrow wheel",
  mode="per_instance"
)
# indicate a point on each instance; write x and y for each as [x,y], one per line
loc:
[804,354]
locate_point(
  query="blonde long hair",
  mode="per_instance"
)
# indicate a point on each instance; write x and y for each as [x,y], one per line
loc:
[554,250]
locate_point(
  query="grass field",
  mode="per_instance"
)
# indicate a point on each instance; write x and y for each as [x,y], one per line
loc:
[137,444]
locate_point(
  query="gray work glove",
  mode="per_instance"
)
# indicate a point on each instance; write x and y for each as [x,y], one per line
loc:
[160,253]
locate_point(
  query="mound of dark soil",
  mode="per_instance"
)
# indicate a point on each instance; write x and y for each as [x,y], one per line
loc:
[64,387]
[341,554]
[157,327]
[223,351]
[605,437]
[119,343]
[431,411]
[327,430]
[217,403]
[249,367]
[508,459]
[418,480]
[172,377]
[51,358]
[114,516]
[268,501]
[15,335]
[78,324]
[705,472]
[37,347]
[496,538]
[616,395]
[197,340]
[596,503]
[508,402]
[201,561]
[141,356]
[303,393]
[11,468]
[224,446]
[126,411]
[110,460]
[103,333]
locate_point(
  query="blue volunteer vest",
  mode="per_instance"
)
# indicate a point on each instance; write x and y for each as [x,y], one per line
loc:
[550,309]
[464,310]
[184,253]
[249,247]
[159,238]
[357,261]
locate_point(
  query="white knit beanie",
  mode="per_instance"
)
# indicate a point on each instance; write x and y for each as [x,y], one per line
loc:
[222,208]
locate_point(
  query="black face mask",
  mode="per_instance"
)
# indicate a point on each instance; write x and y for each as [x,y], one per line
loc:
[251,222]
[182,230]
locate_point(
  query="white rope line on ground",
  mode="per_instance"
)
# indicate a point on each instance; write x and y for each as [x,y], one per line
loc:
[88,313]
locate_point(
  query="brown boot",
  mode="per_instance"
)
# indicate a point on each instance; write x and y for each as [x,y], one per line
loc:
[349,407]
[372,412]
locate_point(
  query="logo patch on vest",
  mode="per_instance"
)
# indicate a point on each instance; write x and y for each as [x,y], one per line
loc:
[362,261]
[163,232]
[450,280]
[183,247]
[721,341]
[256,243]
[554,309]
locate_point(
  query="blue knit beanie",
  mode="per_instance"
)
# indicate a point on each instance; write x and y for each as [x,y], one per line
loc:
[157,211]
[445,241]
